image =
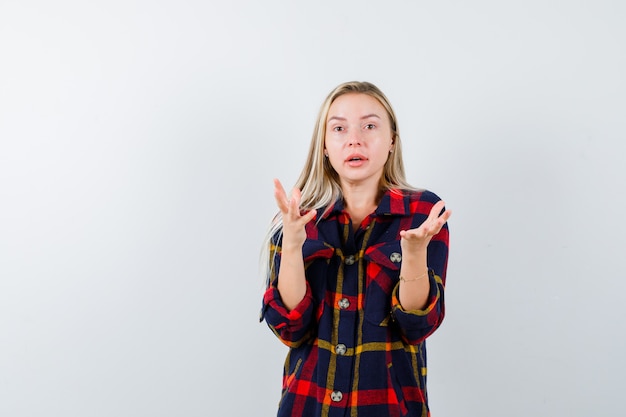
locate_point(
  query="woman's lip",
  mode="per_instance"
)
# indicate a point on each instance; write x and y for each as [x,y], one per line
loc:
[356,156]
[355,162]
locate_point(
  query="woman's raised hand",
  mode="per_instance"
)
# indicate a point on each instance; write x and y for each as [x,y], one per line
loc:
[416,239]
[294,221]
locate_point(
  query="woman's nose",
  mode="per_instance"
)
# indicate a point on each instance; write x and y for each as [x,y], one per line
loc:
[355,138]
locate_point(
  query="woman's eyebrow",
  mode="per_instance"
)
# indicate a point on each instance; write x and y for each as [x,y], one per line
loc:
[343,119]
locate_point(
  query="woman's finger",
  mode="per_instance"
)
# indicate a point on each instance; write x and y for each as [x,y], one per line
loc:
[434,226]
[296,196]
[431,226]
[445,216]
[309,216]
[281,196]
[435,211]
[294,208]
[290,206]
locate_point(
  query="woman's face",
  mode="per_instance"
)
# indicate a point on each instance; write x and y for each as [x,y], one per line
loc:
[358,139]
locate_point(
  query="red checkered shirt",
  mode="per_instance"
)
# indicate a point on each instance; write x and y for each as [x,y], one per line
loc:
[354,351]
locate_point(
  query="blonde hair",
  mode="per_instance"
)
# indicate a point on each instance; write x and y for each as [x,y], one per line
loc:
[318,181]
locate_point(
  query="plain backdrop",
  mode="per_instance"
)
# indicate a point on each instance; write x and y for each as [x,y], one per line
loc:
[139,140]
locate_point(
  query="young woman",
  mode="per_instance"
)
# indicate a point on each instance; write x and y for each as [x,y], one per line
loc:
[357,268]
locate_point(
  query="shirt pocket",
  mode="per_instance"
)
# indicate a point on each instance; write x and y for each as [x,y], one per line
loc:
[382,271]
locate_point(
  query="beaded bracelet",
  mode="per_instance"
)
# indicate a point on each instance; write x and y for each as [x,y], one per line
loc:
[414,279]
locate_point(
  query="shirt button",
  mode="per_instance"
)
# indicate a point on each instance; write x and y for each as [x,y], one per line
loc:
[336,396]
[349,260]
[395,257]
[343,303]
[340,349]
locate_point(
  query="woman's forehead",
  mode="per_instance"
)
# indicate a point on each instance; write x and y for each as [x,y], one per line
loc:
[356,105]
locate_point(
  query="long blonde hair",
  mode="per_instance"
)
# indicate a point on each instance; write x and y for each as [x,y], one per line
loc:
[319,182]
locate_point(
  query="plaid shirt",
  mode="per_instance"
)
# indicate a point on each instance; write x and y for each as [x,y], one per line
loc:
[354,351]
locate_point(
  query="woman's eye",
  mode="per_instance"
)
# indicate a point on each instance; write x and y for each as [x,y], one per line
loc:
[338,129]
[370,126]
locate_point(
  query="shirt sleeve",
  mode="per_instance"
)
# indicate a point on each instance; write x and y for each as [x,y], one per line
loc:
[417,325]
[292,327]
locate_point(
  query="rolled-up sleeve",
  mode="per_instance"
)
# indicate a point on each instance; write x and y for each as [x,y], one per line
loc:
[417,325]
[290,326]
[296,326]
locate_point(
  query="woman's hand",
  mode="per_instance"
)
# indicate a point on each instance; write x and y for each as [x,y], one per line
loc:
[414,240]
[291,277]
[414,288]
[294,221]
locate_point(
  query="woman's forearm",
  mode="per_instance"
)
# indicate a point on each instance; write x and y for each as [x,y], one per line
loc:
[291,278]
[414,285]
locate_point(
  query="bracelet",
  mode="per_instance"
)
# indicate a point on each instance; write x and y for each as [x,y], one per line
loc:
[414,279]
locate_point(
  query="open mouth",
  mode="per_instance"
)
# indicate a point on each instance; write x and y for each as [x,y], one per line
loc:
[355,158]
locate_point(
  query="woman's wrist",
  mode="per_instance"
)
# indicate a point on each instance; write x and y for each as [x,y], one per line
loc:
[416,278]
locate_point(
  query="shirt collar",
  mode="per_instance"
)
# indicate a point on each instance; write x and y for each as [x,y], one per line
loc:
[394,202]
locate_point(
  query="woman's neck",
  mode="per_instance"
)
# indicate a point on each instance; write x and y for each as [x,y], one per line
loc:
[360,201]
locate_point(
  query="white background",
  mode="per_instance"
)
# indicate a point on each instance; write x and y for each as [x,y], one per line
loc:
[139,139]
